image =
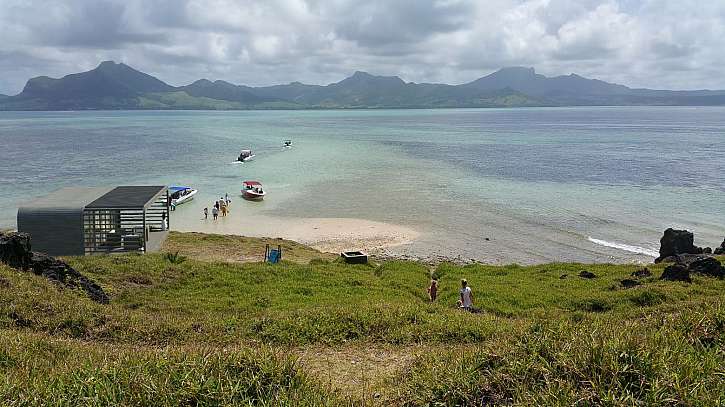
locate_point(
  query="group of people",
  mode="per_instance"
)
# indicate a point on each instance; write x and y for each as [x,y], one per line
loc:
[465,301]
[220,207]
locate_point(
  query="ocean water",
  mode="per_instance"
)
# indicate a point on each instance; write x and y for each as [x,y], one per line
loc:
[498,185]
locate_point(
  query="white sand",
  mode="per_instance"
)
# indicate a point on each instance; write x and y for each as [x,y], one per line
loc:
[324,234]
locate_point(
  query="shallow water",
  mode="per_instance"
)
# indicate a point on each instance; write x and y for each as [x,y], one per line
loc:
[542,184]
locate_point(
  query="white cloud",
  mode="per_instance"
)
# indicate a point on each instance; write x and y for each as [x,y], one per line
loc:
[648,43]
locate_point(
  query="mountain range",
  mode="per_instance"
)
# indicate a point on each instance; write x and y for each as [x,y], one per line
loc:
[118,86]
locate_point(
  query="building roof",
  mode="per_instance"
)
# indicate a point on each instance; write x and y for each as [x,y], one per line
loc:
[128,197]
[67,198]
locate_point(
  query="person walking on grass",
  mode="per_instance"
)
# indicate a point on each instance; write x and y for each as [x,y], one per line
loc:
[215,212]
[206,213]
[466,301]
[433,290]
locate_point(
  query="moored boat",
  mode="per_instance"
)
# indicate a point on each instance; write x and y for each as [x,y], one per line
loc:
[288,143]
[253,191]
[181,194]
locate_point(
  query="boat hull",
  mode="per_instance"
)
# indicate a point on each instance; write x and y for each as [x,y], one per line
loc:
[253,196]
[184,199]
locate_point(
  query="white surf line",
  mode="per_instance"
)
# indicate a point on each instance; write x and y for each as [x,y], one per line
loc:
[625,247]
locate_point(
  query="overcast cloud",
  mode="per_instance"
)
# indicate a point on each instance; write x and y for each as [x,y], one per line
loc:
[671,44]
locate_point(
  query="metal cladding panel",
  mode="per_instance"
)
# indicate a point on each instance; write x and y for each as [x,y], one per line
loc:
[54,231]
[55,221]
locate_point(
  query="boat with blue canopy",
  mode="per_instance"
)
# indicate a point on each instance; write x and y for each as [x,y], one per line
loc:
[180,194]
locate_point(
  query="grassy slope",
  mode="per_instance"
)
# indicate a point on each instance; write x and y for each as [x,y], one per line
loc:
[214,332]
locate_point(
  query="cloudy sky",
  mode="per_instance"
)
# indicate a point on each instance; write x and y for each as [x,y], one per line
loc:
[672,44]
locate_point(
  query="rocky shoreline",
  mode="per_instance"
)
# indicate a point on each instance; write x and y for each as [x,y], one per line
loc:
[15,251]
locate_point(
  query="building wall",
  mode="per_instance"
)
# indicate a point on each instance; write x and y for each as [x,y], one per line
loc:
[54,231]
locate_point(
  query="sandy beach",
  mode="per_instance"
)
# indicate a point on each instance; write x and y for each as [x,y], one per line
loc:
[324,234]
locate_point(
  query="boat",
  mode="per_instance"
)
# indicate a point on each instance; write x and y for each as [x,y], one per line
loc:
[253,191]
[245,155]
[288,143]
[180,194]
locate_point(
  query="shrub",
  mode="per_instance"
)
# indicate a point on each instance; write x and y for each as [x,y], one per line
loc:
[174,258]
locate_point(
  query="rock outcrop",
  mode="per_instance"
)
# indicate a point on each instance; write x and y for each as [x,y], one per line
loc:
[586,274]
[675,243]
[15,252]
[684,259]
[629,283]
[676,272]
[721,249]
[708,266]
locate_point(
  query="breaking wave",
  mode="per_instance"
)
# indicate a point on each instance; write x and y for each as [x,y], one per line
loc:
[625,247]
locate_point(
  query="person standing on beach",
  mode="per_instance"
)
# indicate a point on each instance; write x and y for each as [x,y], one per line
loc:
[433,290]
[215,212]
[226,198]
[223,206]
[466,301]
[206,213]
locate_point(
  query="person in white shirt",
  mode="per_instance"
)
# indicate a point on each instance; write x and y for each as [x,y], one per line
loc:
[466,301]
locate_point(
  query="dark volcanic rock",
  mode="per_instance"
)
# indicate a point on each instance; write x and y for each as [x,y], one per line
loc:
[642,273]
[675,242]
[708,266]
[676,272]
[15,252]
[60,272]
[721,249]
[15,249]
[629,283]
[684,259]
[586,274]
[706,250]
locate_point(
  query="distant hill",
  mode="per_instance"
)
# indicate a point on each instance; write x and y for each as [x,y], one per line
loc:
[222,90]
[118,86]
[576,90]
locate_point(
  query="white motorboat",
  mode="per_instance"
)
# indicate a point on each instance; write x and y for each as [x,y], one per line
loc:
[181,194]
[253,191]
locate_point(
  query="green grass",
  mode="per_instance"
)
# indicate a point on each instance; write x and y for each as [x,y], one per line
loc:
[43,371]
[178,332]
